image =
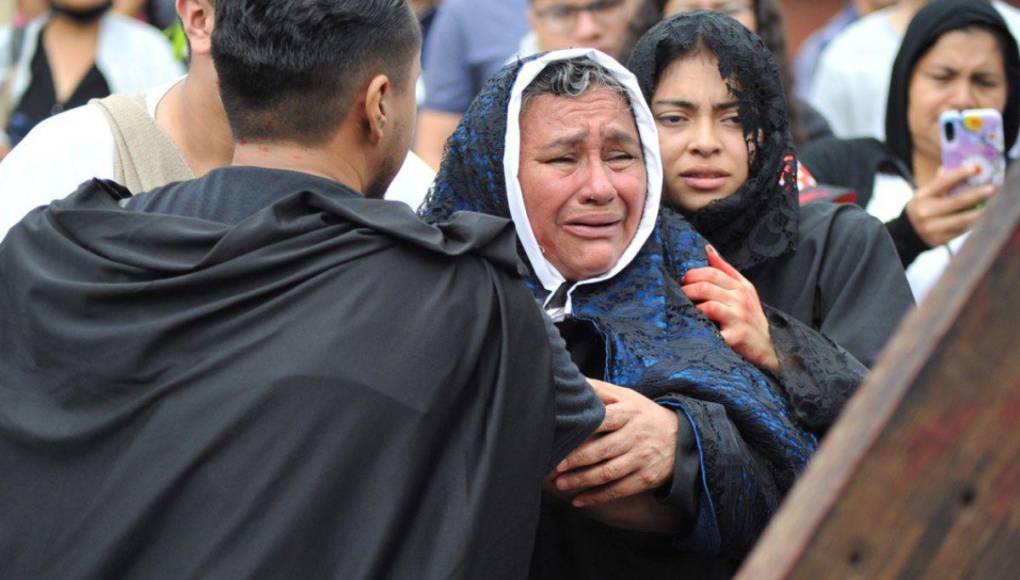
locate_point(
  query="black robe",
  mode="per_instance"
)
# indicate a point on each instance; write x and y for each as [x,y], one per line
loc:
[327,389]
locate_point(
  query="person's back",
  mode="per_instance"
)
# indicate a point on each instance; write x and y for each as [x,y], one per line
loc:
[262,400]
[269,372]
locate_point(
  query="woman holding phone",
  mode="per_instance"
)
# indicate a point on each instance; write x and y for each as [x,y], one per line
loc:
[955,55]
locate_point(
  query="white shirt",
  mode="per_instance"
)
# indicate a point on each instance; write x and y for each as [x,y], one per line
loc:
[77,145]
[131,56]
[851,85]
[891,194]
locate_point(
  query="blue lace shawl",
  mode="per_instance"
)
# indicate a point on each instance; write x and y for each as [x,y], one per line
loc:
[657,342]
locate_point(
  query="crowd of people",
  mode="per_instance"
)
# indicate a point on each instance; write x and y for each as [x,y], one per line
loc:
[461,288]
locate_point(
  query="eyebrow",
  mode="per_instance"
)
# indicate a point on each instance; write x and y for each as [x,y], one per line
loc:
[576,137]
[565,141]
[621,136]
[682,104]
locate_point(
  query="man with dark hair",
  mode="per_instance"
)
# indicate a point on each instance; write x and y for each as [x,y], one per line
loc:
[265,372]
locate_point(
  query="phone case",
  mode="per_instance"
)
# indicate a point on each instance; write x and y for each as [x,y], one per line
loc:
[974,137]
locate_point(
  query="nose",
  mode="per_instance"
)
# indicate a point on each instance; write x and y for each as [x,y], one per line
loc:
[964,95]
[705,141]
[598,188]
[588,28]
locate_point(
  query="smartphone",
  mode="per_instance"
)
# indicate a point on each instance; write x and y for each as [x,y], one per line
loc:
[974,137]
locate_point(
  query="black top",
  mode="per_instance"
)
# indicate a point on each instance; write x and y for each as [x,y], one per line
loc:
[243,191]
[39,101]
[327,388]
[844,279]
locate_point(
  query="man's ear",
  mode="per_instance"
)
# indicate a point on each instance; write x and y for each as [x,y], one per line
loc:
[377,107]
[197,17]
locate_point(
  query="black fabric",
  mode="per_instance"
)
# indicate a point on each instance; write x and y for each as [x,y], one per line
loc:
[759,221]
[928,25]
[327,389]
[854,164]
[844,262]
[813,123]
[243,191]
[39,100]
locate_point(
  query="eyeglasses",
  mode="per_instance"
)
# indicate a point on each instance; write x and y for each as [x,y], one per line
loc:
[728,8]
[562,18]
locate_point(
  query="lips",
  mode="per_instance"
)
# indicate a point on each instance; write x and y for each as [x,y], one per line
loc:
[594,225]
[705,178]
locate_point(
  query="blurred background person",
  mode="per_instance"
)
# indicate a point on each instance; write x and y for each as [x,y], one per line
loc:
[468,42]
[612,26]
[77,51]
[851,83]
[765,18]
[812,47]
[957,54]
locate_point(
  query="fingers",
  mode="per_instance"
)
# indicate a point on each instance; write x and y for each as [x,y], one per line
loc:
[952,226]
[633,484]
[613,462]
[719,312]
[716,261]
[964,200]
[945,180]
[617,416]
[711,275]
[608,392]
[706,291]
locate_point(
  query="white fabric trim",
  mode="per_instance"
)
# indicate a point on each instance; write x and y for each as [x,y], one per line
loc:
[548,275]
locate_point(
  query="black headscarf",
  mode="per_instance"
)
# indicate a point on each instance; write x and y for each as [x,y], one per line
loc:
[758,222]
[930,24]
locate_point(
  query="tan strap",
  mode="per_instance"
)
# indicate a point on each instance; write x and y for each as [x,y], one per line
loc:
[146,157]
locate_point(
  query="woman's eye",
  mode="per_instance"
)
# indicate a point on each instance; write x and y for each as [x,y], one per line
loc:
[563,160]
[671,119]
[733,121]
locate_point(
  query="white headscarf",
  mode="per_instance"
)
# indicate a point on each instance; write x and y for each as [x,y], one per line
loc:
[548,275]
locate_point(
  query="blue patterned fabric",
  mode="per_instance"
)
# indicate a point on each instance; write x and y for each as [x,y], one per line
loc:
[657,343]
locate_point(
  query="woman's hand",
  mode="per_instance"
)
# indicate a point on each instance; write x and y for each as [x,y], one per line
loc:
[939,217]
[630,453]
[722,294]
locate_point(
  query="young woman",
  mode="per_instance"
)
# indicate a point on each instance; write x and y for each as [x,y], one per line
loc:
[956,55]
[76,52]
[715,91]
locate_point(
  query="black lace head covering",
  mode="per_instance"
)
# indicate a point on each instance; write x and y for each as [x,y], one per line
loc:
[930,24]
[760,220]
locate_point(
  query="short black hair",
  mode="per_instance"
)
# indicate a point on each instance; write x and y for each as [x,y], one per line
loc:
[290,70]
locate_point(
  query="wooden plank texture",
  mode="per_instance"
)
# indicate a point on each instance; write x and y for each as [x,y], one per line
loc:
[920,477]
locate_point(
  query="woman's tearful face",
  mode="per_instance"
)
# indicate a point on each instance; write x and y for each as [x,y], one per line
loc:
[583,177]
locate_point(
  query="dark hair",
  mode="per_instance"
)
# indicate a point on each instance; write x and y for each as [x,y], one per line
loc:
[928,26]
[772,30]
[290,70]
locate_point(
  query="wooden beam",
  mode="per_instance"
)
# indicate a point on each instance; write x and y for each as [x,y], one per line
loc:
[920,477]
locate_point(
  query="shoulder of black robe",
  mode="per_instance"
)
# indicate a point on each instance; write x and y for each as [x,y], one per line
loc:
[844,261]
[328,389]
[658,343]
[931,22]
[759,221]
